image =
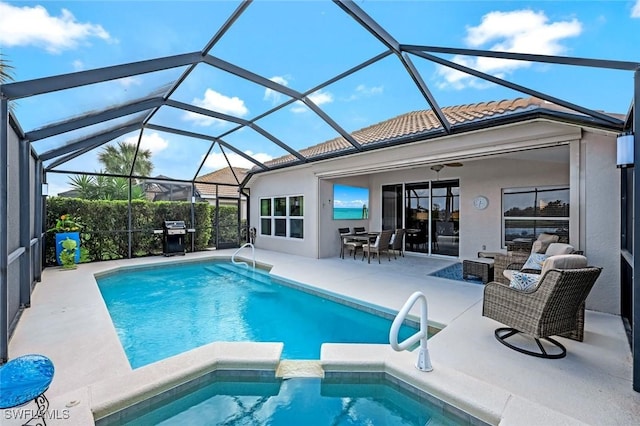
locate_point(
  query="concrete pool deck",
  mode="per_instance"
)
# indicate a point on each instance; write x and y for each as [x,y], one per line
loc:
[69,323]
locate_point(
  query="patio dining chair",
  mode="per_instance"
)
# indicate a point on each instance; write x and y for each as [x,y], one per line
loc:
[347,243]
[553,306]
[396,244]
[379,246]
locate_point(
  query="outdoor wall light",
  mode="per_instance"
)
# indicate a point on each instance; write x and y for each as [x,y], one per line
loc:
[625,150]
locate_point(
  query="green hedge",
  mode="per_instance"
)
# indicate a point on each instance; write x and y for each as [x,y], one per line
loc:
[104,235]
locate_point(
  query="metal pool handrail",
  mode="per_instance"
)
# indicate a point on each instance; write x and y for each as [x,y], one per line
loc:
[424,362]
[253,255]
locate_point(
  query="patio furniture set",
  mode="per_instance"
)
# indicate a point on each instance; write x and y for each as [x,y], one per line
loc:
[371,243]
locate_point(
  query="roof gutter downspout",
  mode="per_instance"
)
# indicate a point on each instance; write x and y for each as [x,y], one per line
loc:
[242,192]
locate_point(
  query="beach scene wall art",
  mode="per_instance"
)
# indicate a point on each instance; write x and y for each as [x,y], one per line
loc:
[350,202]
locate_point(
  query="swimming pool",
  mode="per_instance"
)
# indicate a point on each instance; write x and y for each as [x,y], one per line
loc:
[165,310]
[223,398]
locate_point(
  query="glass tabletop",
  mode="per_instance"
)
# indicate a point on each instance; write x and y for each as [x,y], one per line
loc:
[23,379]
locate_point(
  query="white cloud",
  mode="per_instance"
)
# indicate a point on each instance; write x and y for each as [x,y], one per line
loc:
[273,96]
[635,12]
[350,203]
[369,91]
[216,161]
[363,91]
[520,31]
[317,98]
[152,141]
[78,65]
[217,102]
[24,26]
[129,81]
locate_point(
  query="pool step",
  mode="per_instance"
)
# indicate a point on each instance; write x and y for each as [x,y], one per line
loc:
[288,369]
[246,272]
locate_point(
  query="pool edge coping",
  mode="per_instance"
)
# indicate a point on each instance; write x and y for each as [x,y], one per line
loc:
[457,392]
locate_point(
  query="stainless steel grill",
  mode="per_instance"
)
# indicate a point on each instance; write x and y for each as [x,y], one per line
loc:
[173,233]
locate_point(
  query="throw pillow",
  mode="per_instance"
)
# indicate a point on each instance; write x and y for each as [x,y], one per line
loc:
[535,261]
[524,281]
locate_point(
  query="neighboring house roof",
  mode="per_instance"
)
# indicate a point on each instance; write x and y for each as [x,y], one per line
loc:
[227,175]
[162,187]
[72,193]
[415,125]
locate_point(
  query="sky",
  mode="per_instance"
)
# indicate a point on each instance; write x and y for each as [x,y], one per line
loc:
[300,44]
[345,197]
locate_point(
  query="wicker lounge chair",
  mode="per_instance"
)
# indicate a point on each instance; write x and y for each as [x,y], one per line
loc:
[554,307]
[553,249]
[381,245]
[396,244]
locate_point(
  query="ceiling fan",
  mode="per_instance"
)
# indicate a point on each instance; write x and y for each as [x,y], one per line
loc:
[437,167]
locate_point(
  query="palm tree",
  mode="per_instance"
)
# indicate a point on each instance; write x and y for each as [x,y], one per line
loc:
[5,70]
[118,159]
[6,74]
[105,188]
[85,186]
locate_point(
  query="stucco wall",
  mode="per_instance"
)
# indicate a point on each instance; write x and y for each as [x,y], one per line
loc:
[286,183]
[601,219]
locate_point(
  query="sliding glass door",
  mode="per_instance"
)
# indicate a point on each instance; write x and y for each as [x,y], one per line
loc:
[392,206]
[416,216]
[445,217]
[428,211]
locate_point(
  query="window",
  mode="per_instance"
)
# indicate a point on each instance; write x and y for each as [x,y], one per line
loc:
[265,216]
[282,216]
[528,212]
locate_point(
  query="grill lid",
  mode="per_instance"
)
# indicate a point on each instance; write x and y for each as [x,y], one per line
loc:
[173,224]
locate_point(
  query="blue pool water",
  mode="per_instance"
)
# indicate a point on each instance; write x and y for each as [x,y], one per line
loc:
[168,310]
[291,402]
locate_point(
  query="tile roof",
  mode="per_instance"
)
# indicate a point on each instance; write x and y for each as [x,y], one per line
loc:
[225,175]
[423,122]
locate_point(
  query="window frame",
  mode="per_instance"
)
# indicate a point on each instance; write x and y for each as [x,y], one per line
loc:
[289,216]
[538,219]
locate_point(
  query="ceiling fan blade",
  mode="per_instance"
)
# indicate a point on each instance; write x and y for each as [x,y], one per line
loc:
[453,164]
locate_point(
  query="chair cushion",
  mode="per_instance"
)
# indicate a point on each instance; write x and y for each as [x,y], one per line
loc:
[508,273]
[523,281]
[564,261]
[543,241]
[535,261]
[393,238]
[555,249]
[539,247]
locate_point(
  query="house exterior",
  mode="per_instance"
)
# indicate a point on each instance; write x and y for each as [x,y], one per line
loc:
[477,184]
[221,186]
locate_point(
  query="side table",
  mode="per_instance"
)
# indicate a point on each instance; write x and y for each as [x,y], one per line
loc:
[26,378]
[481,267]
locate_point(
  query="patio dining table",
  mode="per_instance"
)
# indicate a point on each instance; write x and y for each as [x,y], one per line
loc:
[367,238]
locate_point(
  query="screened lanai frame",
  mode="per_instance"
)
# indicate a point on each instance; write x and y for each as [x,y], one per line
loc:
[137,116]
